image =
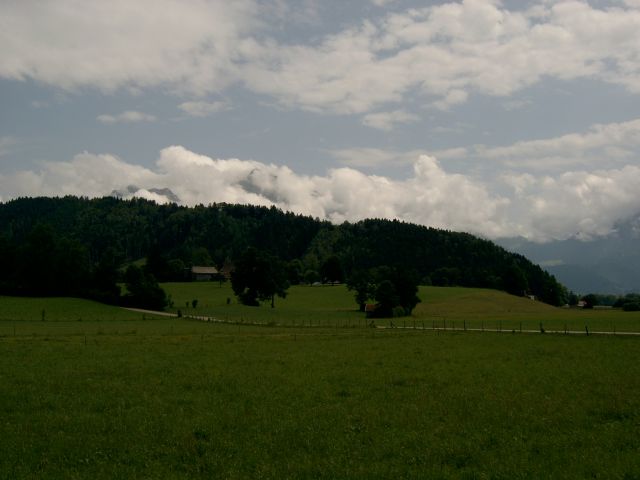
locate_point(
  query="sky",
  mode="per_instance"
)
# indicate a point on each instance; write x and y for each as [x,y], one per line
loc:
[498,118]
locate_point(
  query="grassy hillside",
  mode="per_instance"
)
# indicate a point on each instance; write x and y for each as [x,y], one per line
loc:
[496,310]
[442,307]
[320,307]
[173,398]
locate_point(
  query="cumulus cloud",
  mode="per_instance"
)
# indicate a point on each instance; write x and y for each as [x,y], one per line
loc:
[449,51]
[387,120]
[86,174]
[130,116]
[452,98]
[582,203]
[119,43]
[440,54]
[202,108]
[618,143]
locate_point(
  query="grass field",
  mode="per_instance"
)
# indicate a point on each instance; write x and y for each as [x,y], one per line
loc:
[96,392]
[441,308]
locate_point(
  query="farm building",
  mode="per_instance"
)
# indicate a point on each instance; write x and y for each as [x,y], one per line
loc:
[203,273]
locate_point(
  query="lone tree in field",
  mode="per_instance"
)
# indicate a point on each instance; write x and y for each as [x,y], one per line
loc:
[257,277]
[362,283]
[143,290]
[394,290]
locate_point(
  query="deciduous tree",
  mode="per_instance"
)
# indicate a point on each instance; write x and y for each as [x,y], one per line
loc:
[257,277]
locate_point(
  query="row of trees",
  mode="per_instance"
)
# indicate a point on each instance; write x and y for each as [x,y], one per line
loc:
[48,264]
[259,276]
[629,302]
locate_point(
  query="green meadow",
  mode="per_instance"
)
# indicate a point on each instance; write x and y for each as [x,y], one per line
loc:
[442,308]
[91,391]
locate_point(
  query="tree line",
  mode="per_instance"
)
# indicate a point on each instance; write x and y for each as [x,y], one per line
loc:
[81,246]
[629,302]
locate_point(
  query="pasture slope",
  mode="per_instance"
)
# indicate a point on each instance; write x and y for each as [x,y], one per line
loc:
[91,391]
[442,308]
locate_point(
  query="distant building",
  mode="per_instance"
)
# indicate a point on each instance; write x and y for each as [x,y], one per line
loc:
[203,273]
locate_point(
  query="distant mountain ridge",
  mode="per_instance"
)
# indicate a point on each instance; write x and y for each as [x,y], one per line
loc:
[608,264]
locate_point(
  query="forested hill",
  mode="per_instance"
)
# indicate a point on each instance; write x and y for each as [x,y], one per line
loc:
[44,234]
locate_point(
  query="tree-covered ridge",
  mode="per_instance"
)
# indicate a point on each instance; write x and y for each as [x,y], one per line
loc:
[110,231]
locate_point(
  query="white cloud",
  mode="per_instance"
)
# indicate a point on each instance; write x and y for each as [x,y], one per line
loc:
[617,143]
[583,203]
[120,43]
[387,120]
[86,174]
[202,108]
[431,196]
[452,98]
[130,116]
[442,53]
[449,51]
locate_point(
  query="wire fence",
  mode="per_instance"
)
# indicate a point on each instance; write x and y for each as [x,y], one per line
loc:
[174,325]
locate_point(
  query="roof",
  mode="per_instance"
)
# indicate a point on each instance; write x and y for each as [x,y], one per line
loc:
[204,270]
